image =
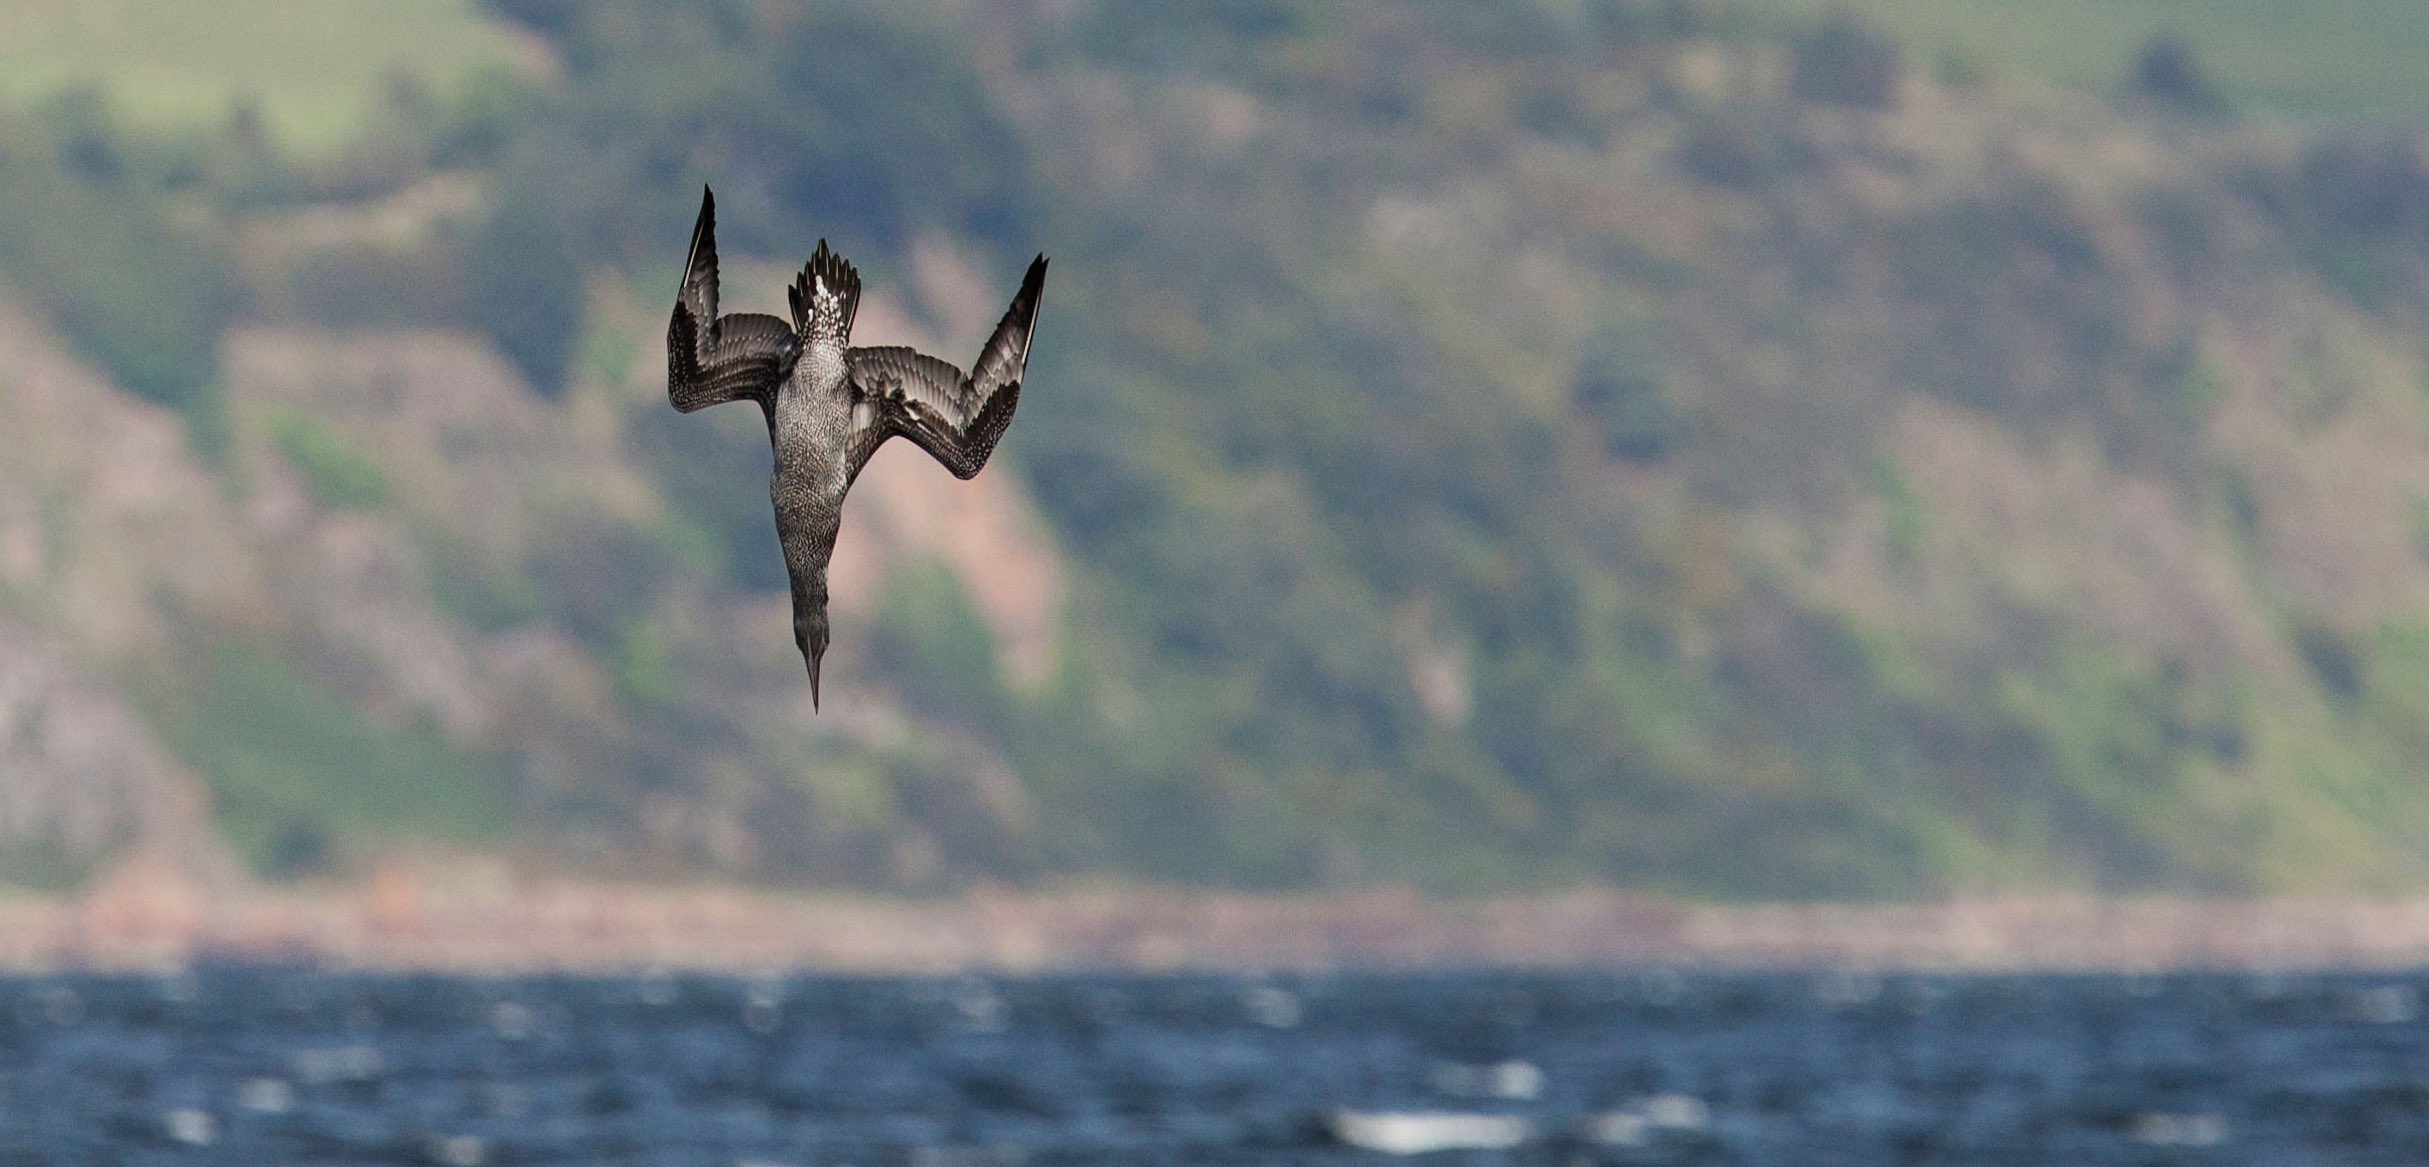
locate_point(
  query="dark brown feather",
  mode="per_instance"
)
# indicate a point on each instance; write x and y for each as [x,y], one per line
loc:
[956,418]
[710,359]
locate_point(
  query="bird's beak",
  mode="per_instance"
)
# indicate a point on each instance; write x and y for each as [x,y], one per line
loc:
[815,657]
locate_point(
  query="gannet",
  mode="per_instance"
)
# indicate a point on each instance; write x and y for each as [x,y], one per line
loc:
[830,405]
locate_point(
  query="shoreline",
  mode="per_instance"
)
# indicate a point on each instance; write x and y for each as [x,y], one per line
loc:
[147,918]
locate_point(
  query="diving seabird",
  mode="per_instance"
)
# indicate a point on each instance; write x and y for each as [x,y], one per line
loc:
[829,405]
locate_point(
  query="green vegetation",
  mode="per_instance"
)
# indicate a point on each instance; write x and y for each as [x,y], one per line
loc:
[486,597]
[337,473]
[300,777]
[644,670]
[525,287]
[2357,61]
[104,253]
[313,72]
[41,866]
[1488,447]
[945,654]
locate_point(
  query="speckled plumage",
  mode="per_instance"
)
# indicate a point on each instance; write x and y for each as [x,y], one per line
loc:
[829,406]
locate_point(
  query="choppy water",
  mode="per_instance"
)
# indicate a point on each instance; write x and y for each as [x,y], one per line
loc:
[260,1066]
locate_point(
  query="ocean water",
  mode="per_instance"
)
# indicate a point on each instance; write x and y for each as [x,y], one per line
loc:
[296,1066]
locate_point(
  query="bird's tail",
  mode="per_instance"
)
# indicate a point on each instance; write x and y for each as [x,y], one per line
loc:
[837,275]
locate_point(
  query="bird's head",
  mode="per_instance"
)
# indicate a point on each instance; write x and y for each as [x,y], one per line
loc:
[810,633]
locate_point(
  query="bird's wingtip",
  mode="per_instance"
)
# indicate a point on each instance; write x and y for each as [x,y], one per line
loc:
[702,253]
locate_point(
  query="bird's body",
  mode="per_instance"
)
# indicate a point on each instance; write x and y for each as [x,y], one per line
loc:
[808,427]
[829,405]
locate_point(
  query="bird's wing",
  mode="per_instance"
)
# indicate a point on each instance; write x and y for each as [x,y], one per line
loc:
[712,359]
[956,418]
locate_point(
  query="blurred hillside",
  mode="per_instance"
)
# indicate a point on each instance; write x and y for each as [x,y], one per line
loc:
[1712,447]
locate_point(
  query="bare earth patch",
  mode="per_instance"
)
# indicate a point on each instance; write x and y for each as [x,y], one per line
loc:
[145,915]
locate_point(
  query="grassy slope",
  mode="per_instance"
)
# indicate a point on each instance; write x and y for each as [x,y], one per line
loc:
[316,68]
[298,773]
[2341,60]
[1695,665]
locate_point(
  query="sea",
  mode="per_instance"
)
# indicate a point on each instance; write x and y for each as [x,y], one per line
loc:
[274,1065]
